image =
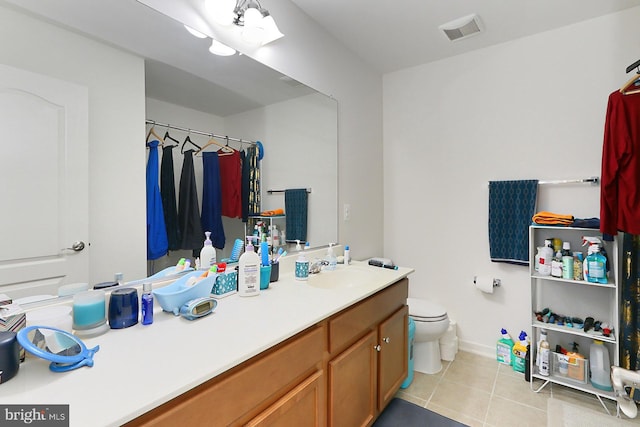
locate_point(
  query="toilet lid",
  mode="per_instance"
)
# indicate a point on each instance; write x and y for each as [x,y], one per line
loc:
[423,309]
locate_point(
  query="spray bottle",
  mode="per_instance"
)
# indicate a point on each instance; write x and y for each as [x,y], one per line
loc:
[595,264]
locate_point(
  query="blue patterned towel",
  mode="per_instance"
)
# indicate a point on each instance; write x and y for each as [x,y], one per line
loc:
[295,208]
[511,207]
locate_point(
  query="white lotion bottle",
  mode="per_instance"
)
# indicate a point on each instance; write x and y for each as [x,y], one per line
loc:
[249,272]
[208,253]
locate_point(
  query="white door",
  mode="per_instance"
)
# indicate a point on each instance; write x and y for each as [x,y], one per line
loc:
[44,190]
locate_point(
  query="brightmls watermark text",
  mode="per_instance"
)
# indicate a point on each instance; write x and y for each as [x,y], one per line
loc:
[34,415]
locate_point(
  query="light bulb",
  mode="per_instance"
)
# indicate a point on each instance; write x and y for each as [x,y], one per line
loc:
[221,49]
[221,11]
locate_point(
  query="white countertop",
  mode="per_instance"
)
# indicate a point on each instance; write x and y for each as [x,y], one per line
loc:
[142,367]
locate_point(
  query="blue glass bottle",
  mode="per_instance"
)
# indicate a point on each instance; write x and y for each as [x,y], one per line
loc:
[147,304]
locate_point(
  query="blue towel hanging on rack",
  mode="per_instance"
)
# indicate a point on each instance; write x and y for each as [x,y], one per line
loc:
[512,204]
[296,207]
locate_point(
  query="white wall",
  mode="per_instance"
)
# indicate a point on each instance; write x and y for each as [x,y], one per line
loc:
[308,54]
[116,130]
[300,146]
[531,108]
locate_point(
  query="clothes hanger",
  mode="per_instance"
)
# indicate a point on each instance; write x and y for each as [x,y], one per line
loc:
[188,139]
[225,150]
[633,84]
[167,137]
[151,132]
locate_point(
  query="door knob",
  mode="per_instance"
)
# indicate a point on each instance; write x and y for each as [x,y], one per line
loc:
[377,347]
[76,246]
[386,340]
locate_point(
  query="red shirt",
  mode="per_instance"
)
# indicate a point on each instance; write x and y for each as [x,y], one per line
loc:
[230,184]
[619,196]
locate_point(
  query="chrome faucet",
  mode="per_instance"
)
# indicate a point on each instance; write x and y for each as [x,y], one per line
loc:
[316,267]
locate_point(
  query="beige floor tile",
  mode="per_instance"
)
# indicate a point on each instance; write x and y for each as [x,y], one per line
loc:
[462,399]
[454,415]
[580,398]
[517,389]
[422,386]
[471,375]
[411,398]
[477,360]
[507,413]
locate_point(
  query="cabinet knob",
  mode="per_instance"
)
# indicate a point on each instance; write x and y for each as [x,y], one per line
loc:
[386,340]
[377,347]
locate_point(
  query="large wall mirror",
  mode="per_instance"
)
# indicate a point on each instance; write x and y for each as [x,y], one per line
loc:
[188,87]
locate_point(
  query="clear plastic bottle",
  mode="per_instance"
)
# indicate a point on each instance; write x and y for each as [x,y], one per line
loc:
[556,264]
[331,259]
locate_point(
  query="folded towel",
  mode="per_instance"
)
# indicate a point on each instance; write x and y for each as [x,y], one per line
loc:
[511,206]
[551,218]
[296,206]
[274,212]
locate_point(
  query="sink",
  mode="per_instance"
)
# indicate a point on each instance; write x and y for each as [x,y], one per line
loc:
[345,277]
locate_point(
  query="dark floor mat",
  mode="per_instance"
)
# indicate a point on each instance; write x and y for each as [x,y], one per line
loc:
[400,413]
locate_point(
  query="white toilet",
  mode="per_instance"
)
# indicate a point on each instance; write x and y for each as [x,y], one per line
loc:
[431,323]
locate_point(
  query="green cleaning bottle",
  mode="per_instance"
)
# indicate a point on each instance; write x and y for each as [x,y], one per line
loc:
[504,348]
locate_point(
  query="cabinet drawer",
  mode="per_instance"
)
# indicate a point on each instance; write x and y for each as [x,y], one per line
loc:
[261,379]
[352,323]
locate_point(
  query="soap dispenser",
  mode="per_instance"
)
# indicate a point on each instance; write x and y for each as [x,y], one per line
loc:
[208,253]
[331,259]
[249,272]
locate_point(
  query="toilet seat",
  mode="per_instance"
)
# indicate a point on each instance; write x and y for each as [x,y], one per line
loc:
[425,311]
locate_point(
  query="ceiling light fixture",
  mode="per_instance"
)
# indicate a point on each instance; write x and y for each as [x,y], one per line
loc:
[258,25]
[221,49]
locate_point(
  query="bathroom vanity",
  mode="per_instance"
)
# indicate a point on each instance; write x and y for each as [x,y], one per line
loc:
[331,351]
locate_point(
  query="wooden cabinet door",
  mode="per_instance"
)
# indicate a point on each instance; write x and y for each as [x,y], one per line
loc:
[301,407]
[393,359]
[352,384]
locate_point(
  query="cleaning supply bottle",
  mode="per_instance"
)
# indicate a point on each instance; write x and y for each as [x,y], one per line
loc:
[576,364]
[331,258]
[249,272]
[544,367]
[207,253]
[504,348]
[600,366]
[146,306]
[347,255]
[567,261]
[596,266]
[577,266]
[546,256]
[543,337]
[556,264]
[520,352]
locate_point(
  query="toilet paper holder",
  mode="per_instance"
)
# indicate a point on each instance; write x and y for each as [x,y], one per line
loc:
[496,282]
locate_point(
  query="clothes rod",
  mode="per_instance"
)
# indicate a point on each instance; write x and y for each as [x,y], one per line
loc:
[282,191]
[594,180]
[199,132]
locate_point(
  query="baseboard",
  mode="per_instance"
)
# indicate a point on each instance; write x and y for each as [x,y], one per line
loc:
[475,348]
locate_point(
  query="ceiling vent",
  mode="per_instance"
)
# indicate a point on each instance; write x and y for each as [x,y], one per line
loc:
[462,28]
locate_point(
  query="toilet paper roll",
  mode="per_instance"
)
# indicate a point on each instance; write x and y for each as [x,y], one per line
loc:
[484,284]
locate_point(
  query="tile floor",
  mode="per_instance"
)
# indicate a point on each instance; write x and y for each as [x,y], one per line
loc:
[480,392]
